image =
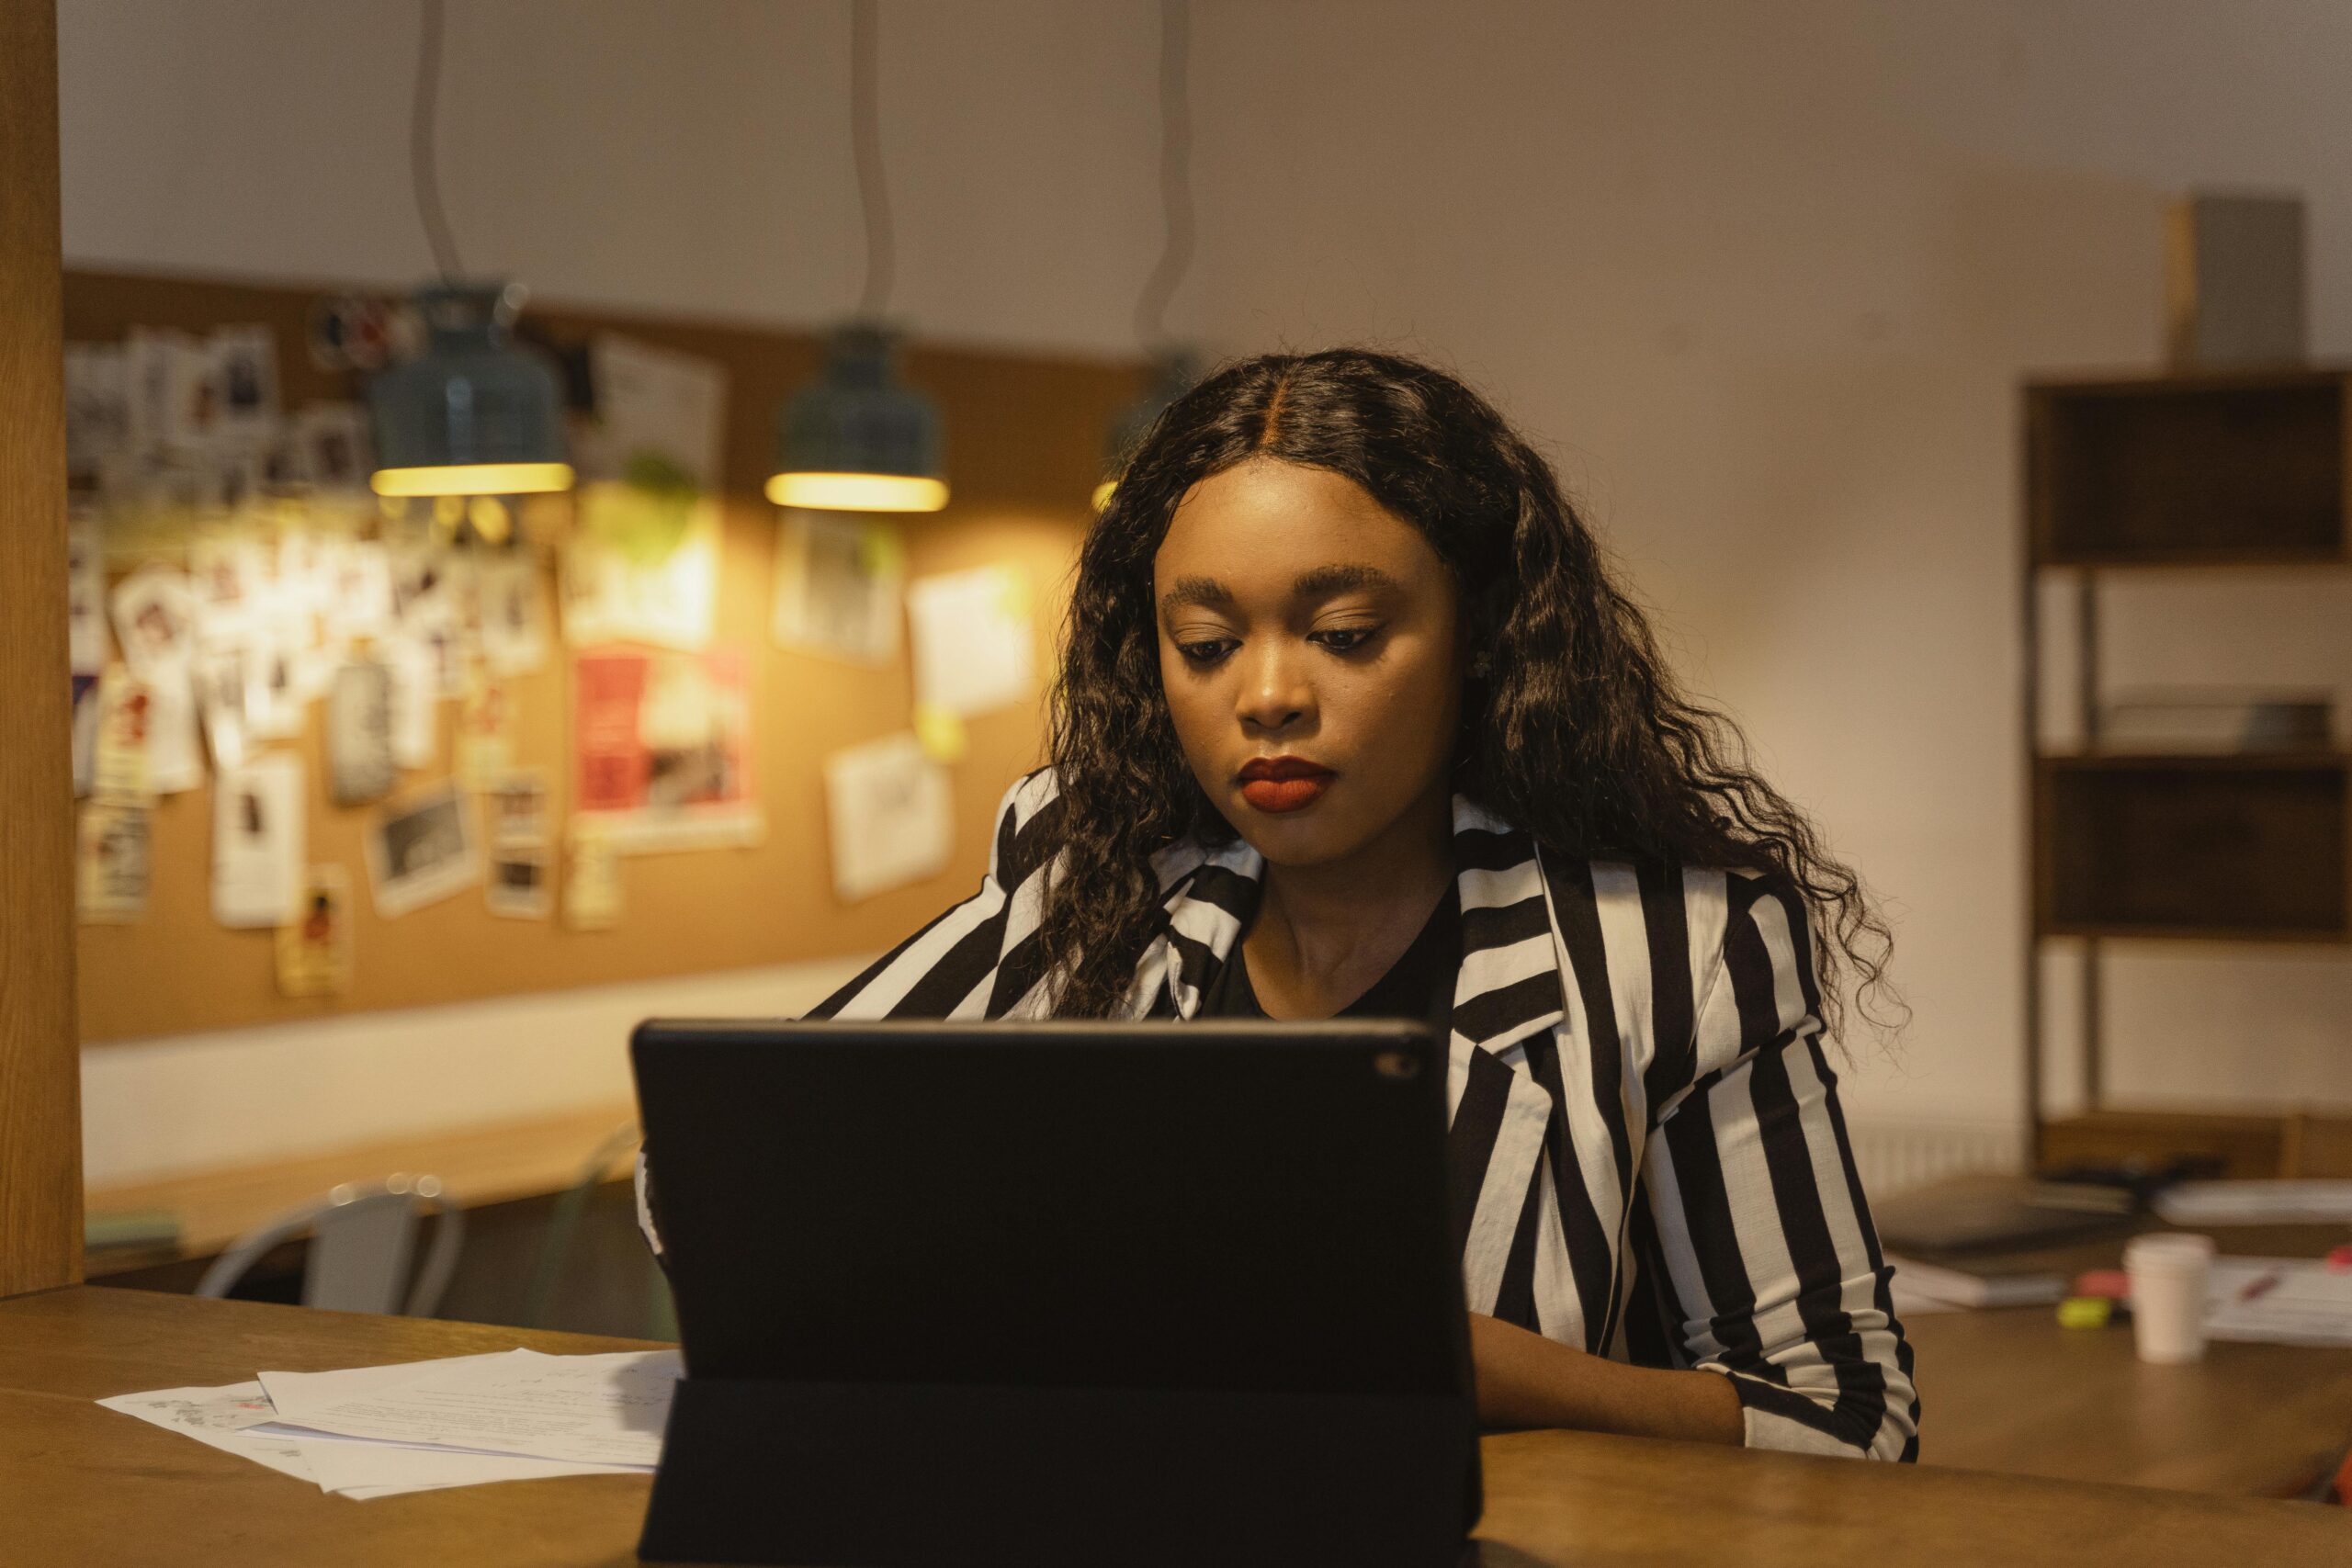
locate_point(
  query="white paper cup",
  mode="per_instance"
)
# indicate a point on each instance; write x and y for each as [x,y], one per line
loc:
[2168,1273]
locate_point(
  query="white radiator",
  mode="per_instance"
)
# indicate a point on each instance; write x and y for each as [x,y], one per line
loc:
[1893,1155]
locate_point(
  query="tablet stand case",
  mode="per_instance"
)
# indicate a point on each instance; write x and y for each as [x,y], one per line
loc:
[878,1475]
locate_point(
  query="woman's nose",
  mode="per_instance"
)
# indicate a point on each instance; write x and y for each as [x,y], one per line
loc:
[1274,695]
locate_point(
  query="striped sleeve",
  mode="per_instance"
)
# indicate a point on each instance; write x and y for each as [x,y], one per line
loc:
[963,964]
[1765,1258]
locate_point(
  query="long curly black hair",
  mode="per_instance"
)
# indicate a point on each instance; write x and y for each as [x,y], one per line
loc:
[1572,727]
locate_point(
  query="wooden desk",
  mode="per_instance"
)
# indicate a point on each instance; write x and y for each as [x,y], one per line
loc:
[2012,1391]
[87,1486]
[477,1166]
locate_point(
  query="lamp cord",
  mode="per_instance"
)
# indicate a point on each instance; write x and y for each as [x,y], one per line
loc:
[865,147]
[1175,171]
[423,166]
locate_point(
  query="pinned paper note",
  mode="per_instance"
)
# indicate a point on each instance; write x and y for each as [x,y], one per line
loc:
[973,639]
[154,620]
[838,585]
[111,867]
[257,842]
[592,879]
[118,763]
[175,755]
[892,817]
[85,611]
[642,567]
[513,630]
[360,766]
[314,948]
[415,714]
[485,730]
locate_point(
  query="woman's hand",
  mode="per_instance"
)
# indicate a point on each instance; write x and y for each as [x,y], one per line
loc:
[1525,1379]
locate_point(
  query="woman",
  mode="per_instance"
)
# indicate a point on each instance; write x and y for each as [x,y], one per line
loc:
[1351,721]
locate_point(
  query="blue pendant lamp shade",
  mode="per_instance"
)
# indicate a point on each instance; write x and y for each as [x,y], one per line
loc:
[477,413]
[1174,373]
[859,440]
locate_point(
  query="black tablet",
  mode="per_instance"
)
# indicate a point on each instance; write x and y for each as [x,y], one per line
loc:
[1055,1239]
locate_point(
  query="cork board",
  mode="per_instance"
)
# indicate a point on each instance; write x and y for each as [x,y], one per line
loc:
[1024,444]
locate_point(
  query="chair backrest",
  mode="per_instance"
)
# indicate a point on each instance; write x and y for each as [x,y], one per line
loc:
[362,1241]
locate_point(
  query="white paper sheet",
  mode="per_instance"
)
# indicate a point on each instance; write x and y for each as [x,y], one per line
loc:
[239,1419]
[357,1467]
[891,814]
[973,649]
[217,1417]
[2279,1301]
[258,842]
[607,1409]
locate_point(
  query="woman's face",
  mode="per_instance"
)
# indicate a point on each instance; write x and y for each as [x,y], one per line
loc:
[1309,648]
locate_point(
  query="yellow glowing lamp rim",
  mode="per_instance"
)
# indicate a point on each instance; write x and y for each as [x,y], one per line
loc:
[473,479]
[853,491]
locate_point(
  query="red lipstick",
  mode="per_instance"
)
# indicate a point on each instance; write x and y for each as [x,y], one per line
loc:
[1278,784]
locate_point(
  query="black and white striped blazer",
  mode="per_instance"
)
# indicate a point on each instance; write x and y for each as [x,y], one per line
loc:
[1648,1160]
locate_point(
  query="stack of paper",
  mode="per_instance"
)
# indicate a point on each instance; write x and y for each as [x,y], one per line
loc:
[419,1426]
[2279,1301]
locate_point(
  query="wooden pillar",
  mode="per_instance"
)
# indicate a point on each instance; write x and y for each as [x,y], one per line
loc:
[41,1110]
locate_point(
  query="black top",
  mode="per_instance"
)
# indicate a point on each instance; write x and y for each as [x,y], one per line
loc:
[1419,985]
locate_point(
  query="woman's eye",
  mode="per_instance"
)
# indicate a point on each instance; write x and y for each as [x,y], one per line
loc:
[1345,639]
[1205,652]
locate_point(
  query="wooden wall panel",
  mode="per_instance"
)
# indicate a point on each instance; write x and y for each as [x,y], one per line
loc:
[40,1118]
[1024,440]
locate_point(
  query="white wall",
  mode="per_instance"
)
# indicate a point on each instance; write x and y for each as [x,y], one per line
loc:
[691,155]
[1763,278]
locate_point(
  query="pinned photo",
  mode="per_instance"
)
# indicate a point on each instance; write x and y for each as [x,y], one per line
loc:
[333,446]
[421,851]
[517,886]
[244,377]
[517,805]
[154,620]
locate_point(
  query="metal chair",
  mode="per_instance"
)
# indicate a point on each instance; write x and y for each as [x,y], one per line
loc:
[563,1230]
[362,1239]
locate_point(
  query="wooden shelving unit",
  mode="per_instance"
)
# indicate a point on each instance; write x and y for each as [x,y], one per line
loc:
[2241,470]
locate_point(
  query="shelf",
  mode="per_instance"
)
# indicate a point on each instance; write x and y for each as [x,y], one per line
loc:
[2228,847]
[2246,469]
[2289,1144]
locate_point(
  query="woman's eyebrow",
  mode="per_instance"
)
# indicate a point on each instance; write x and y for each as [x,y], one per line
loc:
[1204,591]
[1339,579]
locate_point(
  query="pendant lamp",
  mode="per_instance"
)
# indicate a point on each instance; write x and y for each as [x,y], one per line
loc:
[477,413]
[1174,372]
[859,440]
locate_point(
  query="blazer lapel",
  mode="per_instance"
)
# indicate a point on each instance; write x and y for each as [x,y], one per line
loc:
[1508,990]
